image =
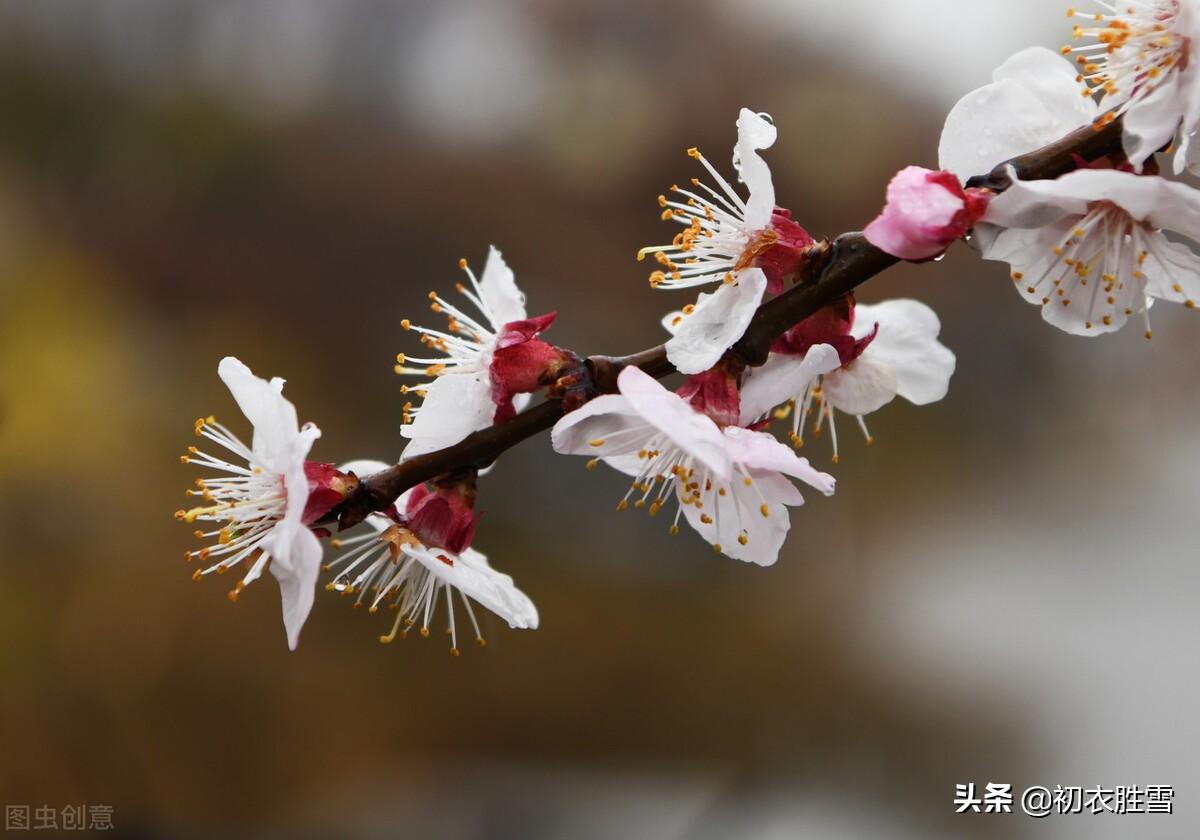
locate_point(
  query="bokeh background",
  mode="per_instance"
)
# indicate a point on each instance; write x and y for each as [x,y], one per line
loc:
[1003,589]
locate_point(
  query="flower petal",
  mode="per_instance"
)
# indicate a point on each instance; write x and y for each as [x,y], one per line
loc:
[498,289]
[272,415]
[761,451]
[297,578]
[719,320]
[1166,204]
[471,575]
[1173,271]
[726,519]
[605,427]
[755,132]
[364,467]
[783,377]
[1033,100]
[867,384]
[692,431]
[907,340]
[1152,122]
[455,405]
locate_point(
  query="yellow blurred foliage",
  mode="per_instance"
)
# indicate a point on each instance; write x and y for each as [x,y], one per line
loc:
[67,366]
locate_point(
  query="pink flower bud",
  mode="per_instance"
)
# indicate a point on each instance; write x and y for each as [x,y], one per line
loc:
[441,514]
[327,488]
[925,212]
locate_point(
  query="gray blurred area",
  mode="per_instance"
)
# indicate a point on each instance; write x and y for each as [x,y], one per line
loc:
[1002,590]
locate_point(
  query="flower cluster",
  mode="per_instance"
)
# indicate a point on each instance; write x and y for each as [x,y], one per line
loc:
[1089,247]
[1092,247]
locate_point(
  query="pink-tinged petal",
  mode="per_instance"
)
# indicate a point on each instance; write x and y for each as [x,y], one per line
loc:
[455,405]
[1033,100]
[908,341]
[782,378]
[297,579]
[687,428]
[716,324]
[498,289]
[925,212]
[607,426]
[866,385]
[755,132]
[761,451]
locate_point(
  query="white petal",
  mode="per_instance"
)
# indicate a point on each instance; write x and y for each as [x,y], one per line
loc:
[761,451]
[298,578]
[470,573]
[755,132]
[672,321]
[1173,271]
[692,431]
[271,414]
[1151,122]
[719,320]
[865,385]
[1166,204]
[738,512]
[1031,254]
[1033,100]
[607,426]
[498,287]
[455,405]
[364,467]
[782,378]
[907,341]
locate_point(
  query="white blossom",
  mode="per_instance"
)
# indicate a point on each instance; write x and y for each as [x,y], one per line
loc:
[904,358]
[257,500]
[1140,58]
[391,567]
[729,483]
[458,395]
[1087,247]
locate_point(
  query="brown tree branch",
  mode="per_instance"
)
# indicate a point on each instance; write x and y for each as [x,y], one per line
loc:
[832,271]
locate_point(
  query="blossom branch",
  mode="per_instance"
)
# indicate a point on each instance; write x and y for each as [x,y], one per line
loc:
[830,271]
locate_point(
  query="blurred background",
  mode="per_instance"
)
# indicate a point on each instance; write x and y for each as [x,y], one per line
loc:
[1003,589]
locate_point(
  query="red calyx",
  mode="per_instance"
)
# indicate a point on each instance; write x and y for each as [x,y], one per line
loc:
[830,325]
[715,393]
[327,488]
[441,514]
[523,363]
[781,261]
